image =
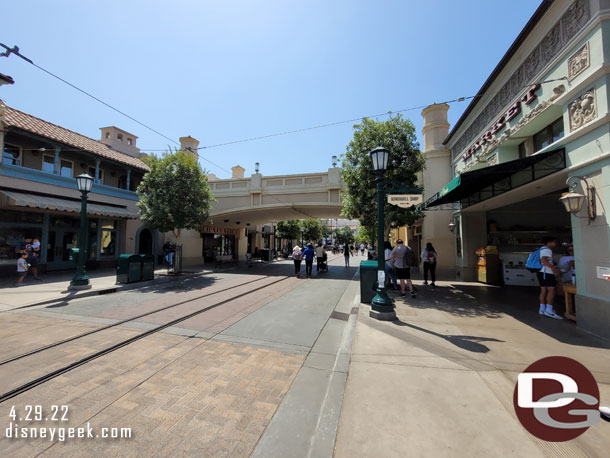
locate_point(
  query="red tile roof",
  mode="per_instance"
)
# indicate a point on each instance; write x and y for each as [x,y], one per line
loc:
[20,120]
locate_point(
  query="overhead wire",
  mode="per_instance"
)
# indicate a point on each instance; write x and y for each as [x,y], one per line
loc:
[15,50]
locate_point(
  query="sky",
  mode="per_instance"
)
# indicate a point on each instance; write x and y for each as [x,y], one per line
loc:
[227,70]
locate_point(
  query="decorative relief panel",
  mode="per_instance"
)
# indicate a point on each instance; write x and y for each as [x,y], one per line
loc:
[582,110]
[578,62]
[567,27]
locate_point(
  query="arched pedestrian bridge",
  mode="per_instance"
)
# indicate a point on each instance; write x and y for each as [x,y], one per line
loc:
[264,199]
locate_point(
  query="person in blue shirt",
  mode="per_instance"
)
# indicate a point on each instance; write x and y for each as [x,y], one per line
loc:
[308,255]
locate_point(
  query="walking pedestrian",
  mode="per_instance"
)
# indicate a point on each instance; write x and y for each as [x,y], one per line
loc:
[22,268]
[346,254]
[389,265]
[429,257]
[319,256]
[297,257]
[362,249]
[32,249]
[403,256]
[308,254]
[547,279]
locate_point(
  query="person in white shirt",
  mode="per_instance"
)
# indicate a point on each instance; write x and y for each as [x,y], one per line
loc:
[22,268]
[547,278]
[389,264]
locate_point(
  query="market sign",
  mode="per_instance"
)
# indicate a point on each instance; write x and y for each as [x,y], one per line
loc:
[405,200]
[512,112]
[219,230]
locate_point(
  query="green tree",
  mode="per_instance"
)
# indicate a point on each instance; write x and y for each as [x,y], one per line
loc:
[367,234]
[288,230]
[344,235]
[312,230]
[174,194]
[405,161]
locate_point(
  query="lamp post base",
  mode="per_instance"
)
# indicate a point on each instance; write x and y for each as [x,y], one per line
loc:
[79,283]
[382,307]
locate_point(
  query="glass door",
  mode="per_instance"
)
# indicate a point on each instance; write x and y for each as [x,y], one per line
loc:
[58,252]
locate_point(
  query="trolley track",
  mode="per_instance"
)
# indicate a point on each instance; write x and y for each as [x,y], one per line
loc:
[56,373]
[118,323]
[73,365]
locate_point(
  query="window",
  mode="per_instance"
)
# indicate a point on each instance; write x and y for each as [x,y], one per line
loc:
[548,135]
[48,163]
[65,168]
[11,154]
[119,136]
[107,134]
[108,238]
[129,141]
[92,173]
[522,152]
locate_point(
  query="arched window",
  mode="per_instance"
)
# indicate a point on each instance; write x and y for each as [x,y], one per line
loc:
[120,137]
[107,134]
[129,141]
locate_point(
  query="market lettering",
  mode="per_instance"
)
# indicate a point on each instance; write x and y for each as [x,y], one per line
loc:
[500,124]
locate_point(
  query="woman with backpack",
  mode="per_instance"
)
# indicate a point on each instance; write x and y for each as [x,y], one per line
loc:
[429,256]
[297,257]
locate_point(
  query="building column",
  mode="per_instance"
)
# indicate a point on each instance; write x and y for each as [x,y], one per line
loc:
[56,163]
[44,241]
[97,171]
[128,181]
[473,230]
[242,244]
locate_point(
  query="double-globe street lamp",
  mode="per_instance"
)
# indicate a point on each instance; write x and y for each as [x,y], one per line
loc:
[84,183]
[382,307]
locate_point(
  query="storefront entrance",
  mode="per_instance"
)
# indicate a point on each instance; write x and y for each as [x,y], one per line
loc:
[58,251]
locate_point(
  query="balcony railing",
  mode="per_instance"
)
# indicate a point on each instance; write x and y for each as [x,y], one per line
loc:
[39,176]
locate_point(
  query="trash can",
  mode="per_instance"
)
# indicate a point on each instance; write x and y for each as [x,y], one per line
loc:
[265,254]
[148,267]
[74,253]
[129,268]
[368,280]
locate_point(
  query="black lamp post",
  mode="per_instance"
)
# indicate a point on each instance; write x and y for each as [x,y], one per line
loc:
[382,307]
[81,280]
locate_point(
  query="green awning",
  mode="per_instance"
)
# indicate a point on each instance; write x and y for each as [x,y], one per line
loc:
[478,185]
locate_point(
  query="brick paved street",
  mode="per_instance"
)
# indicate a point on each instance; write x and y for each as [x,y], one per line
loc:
[204,387]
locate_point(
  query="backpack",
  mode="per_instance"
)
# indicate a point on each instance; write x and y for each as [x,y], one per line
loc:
[533,263]
[297,255]
[430,257]
[408,259]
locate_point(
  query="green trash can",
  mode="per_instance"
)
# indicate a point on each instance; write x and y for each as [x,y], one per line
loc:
[129,268]
[368,281]
[148,267]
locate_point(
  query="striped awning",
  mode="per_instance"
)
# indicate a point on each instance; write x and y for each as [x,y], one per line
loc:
[21,199]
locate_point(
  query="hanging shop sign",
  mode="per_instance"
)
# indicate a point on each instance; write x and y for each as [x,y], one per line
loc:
[218,230]
[405,200]
[500,124]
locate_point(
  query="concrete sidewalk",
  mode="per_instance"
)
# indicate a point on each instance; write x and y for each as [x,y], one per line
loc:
[53,287]
[439,381]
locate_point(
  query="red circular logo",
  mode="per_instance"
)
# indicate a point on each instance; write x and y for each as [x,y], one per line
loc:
[556,399]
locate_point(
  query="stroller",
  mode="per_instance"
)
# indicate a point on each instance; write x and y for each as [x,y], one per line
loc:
[323,265]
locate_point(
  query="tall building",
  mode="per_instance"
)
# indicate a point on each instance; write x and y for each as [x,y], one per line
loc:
[542,120]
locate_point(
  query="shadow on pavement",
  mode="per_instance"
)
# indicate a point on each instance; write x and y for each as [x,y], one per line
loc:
[469,343]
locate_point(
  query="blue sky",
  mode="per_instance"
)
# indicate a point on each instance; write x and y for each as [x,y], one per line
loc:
[232,69]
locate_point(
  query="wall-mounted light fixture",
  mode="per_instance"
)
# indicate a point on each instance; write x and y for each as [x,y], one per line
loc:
[257,166]
[334,159]
[452,224]
[573,201]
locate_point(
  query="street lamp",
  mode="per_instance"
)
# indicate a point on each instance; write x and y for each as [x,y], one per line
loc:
[84,183]
[382,307]
[573,201]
